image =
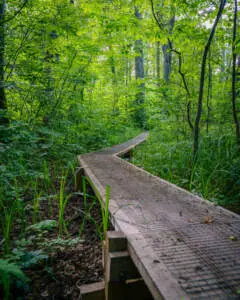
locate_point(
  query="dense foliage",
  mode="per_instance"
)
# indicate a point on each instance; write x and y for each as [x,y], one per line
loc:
[82,75]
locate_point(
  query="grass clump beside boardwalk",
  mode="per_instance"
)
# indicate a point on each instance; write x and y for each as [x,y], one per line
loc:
[214,176]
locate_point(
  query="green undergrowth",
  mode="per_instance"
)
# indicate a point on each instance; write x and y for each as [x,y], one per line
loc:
[29,152]
[38,168]
[214,176]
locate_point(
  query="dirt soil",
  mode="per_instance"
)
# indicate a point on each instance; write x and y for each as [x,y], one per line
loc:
[63,268]
[70,267]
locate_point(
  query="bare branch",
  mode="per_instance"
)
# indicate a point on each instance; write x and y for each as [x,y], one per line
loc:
[155,16]
[180,70]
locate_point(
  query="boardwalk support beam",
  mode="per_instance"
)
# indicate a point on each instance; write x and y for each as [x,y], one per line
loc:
[79,178]
[122,279]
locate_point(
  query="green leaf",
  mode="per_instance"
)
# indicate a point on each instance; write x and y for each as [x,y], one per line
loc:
[43,225]
[7,268]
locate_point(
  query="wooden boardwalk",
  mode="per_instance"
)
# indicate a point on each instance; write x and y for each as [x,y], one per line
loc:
[183,246]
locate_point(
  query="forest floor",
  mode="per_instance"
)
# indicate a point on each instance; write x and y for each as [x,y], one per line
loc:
[57,267]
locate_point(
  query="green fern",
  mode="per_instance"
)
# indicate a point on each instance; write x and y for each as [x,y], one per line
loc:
[8,272]
[7,268]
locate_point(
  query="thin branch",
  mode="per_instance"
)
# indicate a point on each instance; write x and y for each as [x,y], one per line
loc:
[173,50]
[15,56]
[179,54]
[16,13]
[155,16]
[180,70]
[58,101]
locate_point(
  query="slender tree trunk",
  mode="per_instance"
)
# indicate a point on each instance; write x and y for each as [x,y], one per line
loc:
[158,62]
[167,53]
[49,95]
[139,73]
[114,83]
[126,71]
[234,73]
[209,92]
[223,66]
[3,101]
[130,67]
[202,80]
[238,75]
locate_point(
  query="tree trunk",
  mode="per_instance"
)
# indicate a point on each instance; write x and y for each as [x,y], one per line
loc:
[114,83]
[158,63]
[209,92]
[202,80]
[234,73]
[139,116]
[3,101]
[167,53]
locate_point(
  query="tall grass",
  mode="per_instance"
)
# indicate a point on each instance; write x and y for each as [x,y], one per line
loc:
[7,272]
[215,175]
[105,211]
[63,200]
[7,220]
[104,207]
[19,207]
[36,206]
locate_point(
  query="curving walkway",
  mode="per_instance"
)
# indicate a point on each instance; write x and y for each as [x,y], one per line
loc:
[183,246]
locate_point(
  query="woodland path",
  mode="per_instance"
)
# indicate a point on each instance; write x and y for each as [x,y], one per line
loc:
[183,246]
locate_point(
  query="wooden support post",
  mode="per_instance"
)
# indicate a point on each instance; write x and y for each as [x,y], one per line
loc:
[131,154]
[128,155]
[122,279]
[79,175]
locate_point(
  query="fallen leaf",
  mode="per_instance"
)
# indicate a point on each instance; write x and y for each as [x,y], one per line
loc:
[207,219]
[45,294]
[190,220]
[128,281]
[233,238]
